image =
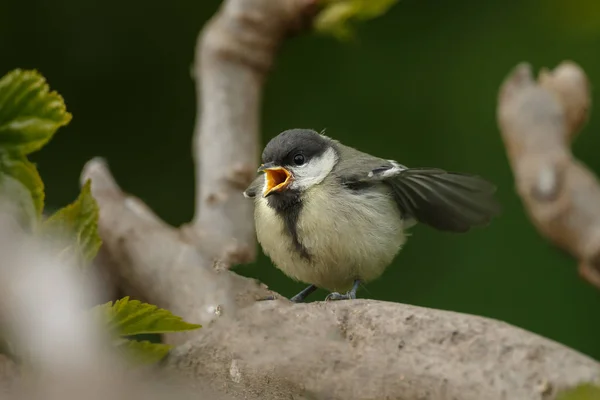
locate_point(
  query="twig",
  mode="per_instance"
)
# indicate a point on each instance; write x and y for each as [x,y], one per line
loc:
[538,120]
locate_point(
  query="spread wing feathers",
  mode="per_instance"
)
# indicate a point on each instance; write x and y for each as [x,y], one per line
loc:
[254,187]
[447,201]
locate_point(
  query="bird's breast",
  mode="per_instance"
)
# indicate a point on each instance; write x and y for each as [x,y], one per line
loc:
[355,236]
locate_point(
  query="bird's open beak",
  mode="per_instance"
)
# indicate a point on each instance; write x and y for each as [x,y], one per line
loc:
[278,178]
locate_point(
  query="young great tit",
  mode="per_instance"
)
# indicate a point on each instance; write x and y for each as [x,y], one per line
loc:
[335,217]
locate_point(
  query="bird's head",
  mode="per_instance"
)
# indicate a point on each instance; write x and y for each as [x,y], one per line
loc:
[296,160]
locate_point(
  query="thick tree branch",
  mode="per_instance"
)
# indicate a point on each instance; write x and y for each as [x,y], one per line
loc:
[538,120]
[275,349]
[350,350]
[377,350]
[156,262]
[233,56]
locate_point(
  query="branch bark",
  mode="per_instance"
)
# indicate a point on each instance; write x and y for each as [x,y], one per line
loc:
[278,350]
[538,120]
[234,54]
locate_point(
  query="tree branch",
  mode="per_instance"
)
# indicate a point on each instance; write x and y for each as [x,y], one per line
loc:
[352,350]
[233,56]
[275,349]
[562,196]
[158,263]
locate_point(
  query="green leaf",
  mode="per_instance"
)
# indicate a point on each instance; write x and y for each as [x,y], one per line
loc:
[22,170]
[337,16]
[79,222]
[585,391]
[132,317]
[23,189]
[29,113]
[143,351]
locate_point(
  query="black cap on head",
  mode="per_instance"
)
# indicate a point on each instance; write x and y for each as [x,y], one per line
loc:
[283,147]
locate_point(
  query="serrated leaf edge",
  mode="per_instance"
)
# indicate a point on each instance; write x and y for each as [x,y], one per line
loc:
[54,98]
[119,305]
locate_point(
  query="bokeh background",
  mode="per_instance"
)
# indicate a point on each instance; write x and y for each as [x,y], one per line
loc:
[418,85]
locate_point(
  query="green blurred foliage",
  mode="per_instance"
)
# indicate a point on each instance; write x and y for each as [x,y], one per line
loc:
[30,115]
[77,221]
[584,391]
[419,85]
[336,17]
[579,17]
[20,180]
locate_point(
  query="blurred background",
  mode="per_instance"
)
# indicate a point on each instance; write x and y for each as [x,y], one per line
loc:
[419,85]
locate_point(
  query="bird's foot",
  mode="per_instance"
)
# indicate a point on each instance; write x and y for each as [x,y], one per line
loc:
[351,295]
[299,298]
[338,296]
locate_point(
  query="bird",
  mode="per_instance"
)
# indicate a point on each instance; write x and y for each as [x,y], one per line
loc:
[335,218]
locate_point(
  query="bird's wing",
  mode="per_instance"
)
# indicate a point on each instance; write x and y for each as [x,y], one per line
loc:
[255,187]
[447,201]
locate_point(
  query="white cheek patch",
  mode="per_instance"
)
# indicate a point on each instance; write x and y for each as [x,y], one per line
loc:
[314,171]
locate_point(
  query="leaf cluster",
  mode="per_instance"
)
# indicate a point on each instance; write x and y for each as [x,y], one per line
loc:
[30,115]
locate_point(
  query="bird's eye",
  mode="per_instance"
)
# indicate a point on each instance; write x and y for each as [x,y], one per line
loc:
[298,159]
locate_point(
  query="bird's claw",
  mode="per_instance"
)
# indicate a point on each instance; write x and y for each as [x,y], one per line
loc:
[338,296]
